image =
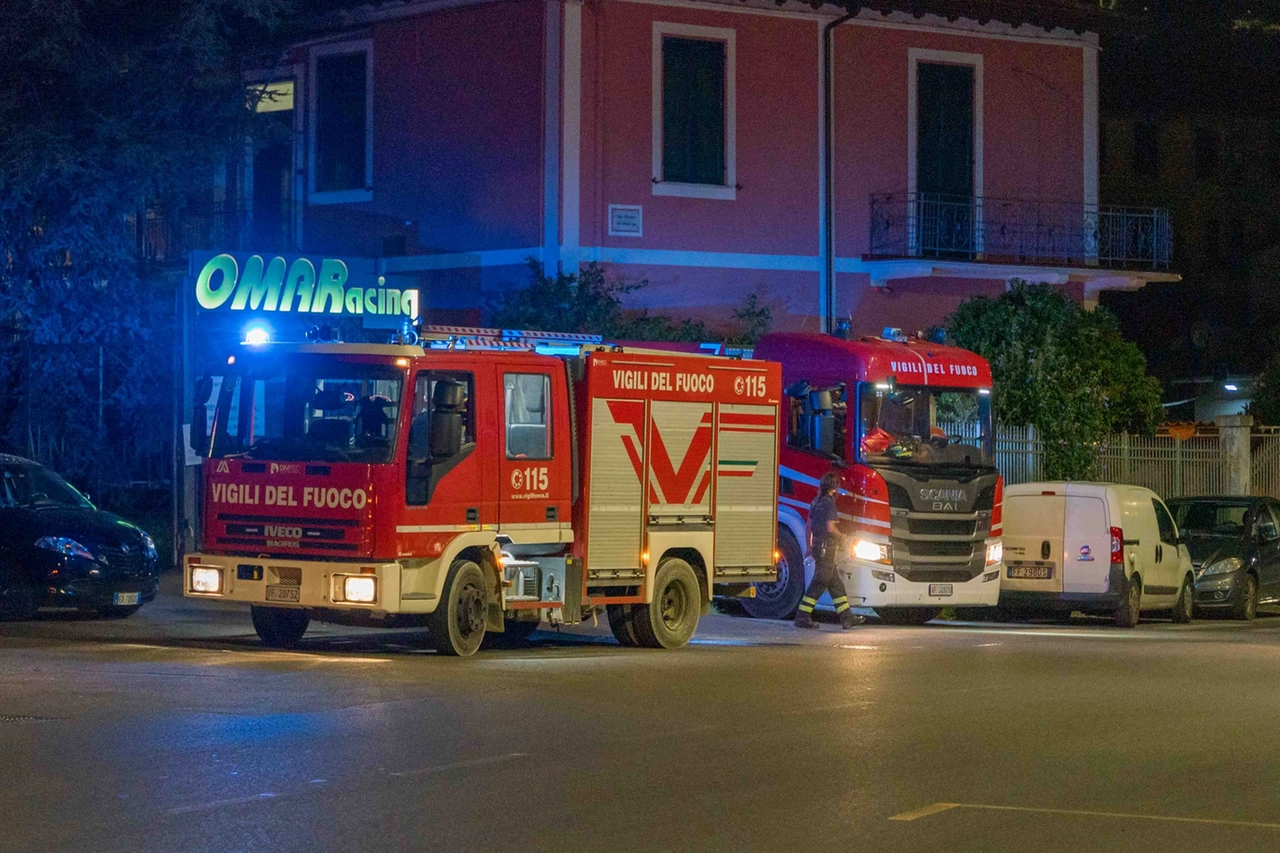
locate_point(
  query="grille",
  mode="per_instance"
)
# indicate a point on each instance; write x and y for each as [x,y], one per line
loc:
[916,575]
[941,527]
[124,564]
[938,549]
[288,575]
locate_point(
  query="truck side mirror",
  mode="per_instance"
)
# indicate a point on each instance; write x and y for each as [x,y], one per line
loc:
[200,414]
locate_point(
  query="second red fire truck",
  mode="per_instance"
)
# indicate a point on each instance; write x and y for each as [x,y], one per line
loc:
[907,424]
[476,483]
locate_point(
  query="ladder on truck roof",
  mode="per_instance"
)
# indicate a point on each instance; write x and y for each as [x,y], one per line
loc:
[477,337]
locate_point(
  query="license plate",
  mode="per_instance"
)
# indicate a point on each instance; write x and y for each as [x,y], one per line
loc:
[283,593]
[940,589]
[1031,573]
[126,599]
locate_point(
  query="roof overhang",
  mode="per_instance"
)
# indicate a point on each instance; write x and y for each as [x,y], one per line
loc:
[1094,279]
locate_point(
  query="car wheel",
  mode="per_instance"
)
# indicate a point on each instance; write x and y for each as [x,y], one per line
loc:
[907,615]
[1129,611]
[671,618]
[113,612]
[1246,606]
[779,599]
[1185,605]
[17,602]
[279,627]
[621,624]
[457,625]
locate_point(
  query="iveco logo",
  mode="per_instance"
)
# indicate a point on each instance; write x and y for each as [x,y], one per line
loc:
[942,495]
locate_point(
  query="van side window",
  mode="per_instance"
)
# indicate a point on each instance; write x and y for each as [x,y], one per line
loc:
[1267,524]
[1168,533]
[818,419]
[528,407]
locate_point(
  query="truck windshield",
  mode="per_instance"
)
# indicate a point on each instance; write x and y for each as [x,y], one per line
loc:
[917,425]
[309,408]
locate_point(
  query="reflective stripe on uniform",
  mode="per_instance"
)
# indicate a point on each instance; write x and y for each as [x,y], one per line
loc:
[807,604]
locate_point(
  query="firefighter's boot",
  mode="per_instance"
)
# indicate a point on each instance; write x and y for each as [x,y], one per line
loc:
[849,619]
[804,619]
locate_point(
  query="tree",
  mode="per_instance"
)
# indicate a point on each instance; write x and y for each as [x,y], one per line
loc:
[587,301]
[1265,403]
[1065,371]
[107,109]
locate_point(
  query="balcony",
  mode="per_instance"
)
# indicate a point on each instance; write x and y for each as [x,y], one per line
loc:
[166,240]
[989,231]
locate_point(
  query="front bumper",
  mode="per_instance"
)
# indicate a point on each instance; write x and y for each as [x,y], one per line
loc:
[1218,591]
[876,585]
[307,584]
[92,592]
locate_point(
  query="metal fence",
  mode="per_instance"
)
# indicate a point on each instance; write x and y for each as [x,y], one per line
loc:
[996,230]
[1171,467]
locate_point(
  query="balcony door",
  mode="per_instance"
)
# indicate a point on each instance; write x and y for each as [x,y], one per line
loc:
[944,205]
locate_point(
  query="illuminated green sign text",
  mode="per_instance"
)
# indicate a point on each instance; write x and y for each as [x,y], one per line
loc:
[277,285]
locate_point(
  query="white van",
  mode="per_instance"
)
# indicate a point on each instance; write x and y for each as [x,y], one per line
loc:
[1094,547]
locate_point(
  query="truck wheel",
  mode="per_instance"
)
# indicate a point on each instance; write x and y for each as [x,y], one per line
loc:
[779,600]
[1130,610]
[1183,607]
[622,624]
[1246,606]
[907,615]
[279,627]
[671,619]
[457,625]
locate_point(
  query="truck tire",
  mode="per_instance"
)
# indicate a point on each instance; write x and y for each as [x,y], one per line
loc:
[1129,611]
[1185,605]
[279,627]
[907,615]
[457,625]
[779,600]
[621,624]
[671,619]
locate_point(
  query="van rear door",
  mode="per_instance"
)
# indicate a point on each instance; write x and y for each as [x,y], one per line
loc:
[1086,557]
[1033,526]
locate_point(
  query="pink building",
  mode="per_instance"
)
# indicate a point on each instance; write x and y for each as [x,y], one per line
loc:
[883,165]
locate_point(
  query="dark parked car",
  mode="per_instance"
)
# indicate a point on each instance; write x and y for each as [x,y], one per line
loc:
[1235,549]
[58,550]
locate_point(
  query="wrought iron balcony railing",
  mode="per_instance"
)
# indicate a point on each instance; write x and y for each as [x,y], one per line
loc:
[946,227]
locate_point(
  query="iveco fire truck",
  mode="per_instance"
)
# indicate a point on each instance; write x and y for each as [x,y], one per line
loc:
[907,425]
[480,480]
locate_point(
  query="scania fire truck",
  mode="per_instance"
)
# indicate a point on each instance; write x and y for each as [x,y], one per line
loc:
[907,425]
[480,480]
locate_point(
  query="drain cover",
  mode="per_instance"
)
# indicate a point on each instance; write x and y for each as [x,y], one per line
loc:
[17,718]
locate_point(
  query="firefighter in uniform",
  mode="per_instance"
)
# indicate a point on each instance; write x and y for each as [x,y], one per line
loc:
[824,543]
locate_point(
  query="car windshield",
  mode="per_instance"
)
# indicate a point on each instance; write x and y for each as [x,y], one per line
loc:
[308,408]
[32,487]
[1210,518]
[915,425]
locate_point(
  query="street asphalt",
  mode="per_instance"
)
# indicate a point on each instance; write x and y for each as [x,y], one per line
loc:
[175,730]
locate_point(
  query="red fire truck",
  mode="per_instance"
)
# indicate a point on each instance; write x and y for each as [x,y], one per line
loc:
[477,480]
[907,424]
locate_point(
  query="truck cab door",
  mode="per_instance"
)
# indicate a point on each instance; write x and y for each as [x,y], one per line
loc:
[444,490]
[534,474]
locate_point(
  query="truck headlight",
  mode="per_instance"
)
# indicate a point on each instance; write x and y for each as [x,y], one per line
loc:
[995,553]
[362,589]
[871,552]
[205,579]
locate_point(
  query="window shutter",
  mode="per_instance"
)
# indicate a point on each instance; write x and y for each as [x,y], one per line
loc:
[693,111]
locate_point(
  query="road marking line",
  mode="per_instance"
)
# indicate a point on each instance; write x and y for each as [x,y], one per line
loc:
[458,765]
[942,807]
[925,812]
[217,804]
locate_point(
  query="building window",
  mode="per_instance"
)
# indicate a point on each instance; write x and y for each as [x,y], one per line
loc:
[1146,149]
[341,127]
[1206,153]
[693,111]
